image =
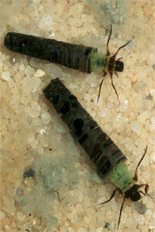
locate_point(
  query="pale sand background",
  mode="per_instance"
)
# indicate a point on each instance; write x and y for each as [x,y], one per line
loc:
[33,135]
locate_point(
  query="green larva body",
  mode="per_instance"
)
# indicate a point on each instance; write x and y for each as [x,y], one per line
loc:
[121,177]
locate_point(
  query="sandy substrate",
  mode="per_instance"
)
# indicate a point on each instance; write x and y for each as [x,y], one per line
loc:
[47,181]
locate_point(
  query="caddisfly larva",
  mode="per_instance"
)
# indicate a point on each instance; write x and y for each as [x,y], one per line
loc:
[104,153]
[80,57]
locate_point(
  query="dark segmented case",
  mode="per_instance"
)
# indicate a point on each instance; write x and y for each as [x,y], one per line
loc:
[70,55]
[101,149]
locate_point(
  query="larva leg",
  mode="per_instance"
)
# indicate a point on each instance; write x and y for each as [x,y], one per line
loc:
[108,52]
[99,92]
[111,197]
[139,163]
[111,77]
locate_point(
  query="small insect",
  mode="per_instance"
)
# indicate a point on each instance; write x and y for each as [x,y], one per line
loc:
[29,173]
[103,152]
[85,59]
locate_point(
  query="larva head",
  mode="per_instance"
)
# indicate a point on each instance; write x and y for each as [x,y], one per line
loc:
[119,66]
[115,65]
[133,193]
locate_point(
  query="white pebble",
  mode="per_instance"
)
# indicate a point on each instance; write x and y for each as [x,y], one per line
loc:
[2,215]
[20,216]
[39,73]
[33,111]
[124,105]
[152,92]
[52,69]
[77,9]
[13,60]
[29,71]
[1,63]
[74,32]
[31,138]
[129,144]
[82,229]
[96,178]
[72,85]
[143,116]
[152,120]
[42,131]
[9,203]
[59,8]
[100,229]
[34,144]
[153,158]
[31,83]
[21,67]
[71,229]
[152,126]
[46,22]
[136,127]
[45,117]
[5,76]
[40,149]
